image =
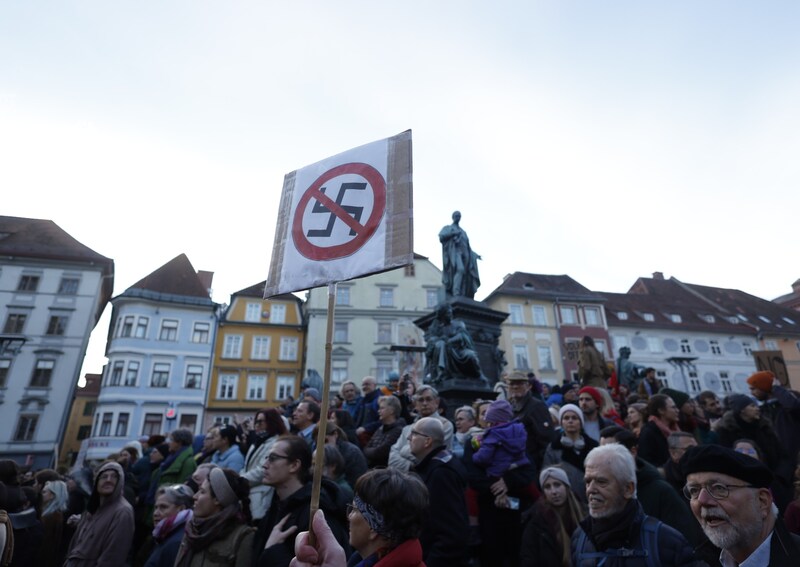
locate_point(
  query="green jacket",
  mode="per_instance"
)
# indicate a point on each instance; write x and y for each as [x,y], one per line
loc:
[180,470]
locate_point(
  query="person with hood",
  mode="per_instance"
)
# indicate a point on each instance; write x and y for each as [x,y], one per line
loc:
[104,533]
[268,427]
[287,468]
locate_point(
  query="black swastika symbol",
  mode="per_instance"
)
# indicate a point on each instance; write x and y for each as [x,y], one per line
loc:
[354,211]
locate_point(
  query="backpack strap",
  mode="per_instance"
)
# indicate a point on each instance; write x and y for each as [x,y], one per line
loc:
[648,537]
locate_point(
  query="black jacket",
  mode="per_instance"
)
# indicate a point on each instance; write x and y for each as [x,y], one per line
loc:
[535,416]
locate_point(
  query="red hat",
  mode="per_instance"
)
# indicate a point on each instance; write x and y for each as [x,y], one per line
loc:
[592,391]
[762,380]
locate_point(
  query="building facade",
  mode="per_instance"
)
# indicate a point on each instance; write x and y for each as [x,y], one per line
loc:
[53,290]
[81,417]
[258,355]
[159,358]
[371,315]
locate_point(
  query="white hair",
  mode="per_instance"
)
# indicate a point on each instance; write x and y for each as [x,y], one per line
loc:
[619,458]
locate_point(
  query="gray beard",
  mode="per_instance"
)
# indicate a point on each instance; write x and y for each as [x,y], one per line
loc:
[729,536]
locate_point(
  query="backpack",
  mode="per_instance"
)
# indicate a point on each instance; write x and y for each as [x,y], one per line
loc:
[648,541]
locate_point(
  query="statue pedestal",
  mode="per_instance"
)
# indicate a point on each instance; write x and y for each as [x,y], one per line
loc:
[483,325]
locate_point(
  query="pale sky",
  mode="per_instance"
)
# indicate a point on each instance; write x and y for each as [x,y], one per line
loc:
[604,140]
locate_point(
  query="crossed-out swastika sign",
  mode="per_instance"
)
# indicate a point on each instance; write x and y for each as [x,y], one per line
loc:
[335,197]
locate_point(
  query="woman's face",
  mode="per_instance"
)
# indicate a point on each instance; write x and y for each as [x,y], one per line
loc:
[571,423]
[260,424]
[205,504]
[634,417]
[555,492]
[359,530]
[125,457]
[164,508]
[482,415]
[463,422]
[47,495]
[156,457]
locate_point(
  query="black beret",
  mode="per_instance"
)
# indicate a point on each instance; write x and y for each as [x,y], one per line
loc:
[719,459]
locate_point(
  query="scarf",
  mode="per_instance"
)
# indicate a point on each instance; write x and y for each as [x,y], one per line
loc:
[168,525]
[662,425]
[202,532]
[613,531]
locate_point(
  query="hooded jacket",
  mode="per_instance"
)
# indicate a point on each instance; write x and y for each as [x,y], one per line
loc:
[105,531]
[501,447]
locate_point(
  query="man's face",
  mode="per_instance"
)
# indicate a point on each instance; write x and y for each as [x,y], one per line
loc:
[518,388]
[758,394]
[713,407]
[368,385]
[750,413]
[588,405]
[418,443]
[301,417]
[651,376]
[426,403]
[735,522]
[106,483]
[605,493]
[670,411]
[684,443]
[349,392]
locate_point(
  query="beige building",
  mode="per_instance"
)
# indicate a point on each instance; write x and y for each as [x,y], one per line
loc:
[258,355]
[370,316]
[79,425]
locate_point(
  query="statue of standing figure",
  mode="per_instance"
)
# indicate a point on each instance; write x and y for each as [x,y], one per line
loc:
[459,262]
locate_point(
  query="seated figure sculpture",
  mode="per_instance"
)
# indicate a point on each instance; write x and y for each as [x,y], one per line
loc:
[628,373]
[450,352]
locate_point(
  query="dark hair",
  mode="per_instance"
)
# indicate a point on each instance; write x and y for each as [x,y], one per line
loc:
[313,407]
[588,341]
[649,369]
[298,450]
[241,487]
[334,459]
[401,498]
[624,437]
[704,396]
[132,451]
[35,498]
[274,421]
[343,418]
[753,444]
[655,403]
[183,436]
[229,432]
[46,475]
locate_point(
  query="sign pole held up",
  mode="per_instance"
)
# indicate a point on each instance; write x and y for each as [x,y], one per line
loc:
[319,457]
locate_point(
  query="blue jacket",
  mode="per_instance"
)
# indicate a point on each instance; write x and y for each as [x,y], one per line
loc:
[232,458]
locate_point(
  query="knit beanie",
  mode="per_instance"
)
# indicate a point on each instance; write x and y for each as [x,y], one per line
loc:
[556,473]
[592,391]
[574,409]
[499,411]
[738,402]
[677,396]
[762,380]
[163,449]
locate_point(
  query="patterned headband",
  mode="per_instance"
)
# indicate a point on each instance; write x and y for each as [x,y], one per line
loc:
[374,519]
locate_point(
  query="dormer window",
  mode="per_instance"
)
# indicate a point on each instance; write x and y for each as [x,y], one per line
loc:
[789,321]
[675,318]
[742,317]
[648,317]
[622,315]
[708,318]
[765,319]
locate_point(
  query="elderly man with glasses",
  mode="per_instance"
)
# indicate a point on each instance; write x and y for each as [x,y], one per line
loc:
[730,497]
[426,401]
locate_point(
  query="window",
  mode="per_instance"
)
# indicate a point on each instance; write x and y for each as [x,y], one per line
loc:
[686,348]
[715,348]
[194,376]
[227,387]
[68,286]
[694,385]
[169,330]
[622,315]
[288,348]
[708,318]
[116,373]
[592,315]
[661,376]
[88,408]
[252,313]
[278,314]
[545,357]
[770,345]
[57,325]
[648,317]
[539,315]
[521,358]
[431,298]
[675,318]
[126,330]
[725,382]
[387,297]
[343,295]
[5,364]
[256,387]
[339,333]
[654,344]
[105,425]
[160,377]
[409,271]
[26,428]
[152,424]
[338,371]
[748,350]
[28,283]
[285,387]
[619,341]
[261,347]
[15,323]
[790,321]
[515,314]
[765,319]
[132,375]
[141,327]
[201,332]
[188,421]
[384,332]
[122,425]
[568,316]
[42,373]
[600,345]
[232,347]
[84,431]
[382,368]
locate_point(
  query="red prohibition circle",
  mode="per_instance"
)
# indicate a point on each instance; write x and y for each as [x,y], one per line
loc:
[378,185]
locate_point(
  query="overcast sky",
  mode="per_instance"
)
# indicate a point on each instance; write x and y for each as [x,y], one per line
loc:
[604,140]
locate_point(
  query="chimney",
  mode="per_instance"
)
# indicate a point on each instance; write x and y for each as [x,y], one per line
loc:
[206,278]
[658,275]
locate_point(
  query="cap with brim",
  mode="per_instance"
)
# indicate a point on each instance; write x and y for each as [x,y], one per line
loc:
[719,459]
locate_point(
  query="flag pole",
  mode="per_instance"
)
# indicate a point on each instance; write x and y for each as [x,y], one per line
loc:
[319,458]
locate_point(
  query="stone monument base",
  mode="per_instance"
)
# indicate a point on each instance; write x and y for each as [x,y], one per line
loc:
[457,392]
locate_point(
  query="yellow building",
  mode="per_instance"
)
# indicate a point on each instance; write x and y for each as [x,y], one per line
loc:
[258,355]
[79,425]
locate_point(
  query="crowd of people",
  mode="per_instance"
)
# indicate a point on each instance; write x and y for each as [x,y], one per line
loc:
[578,474]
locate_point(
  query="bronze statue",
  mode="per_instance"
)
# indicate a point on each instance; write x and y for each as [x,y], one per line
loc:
[628,373]
[459,262]
[450,352]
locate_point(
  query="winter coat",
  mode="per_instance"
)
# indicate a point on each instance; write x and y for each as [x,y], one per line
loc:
[535,416]
[400,456]
[502,447]
[233,549]
[105,531]
[231,459]
[355,463]
[592,369]
[783,410]
[377,450]
[164,553]
[540,547]
[653,446]
[260,493]
[407,554]
[571,461]
[180,470]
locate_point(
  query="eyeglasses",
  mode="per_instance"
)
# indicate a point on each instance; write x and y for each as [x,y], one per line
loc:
[272,457]
[717,490]
[417,433]
[426,399]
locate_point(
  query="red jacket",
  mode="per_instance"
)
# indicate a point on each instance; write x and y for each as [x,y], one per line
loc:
[407,554]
